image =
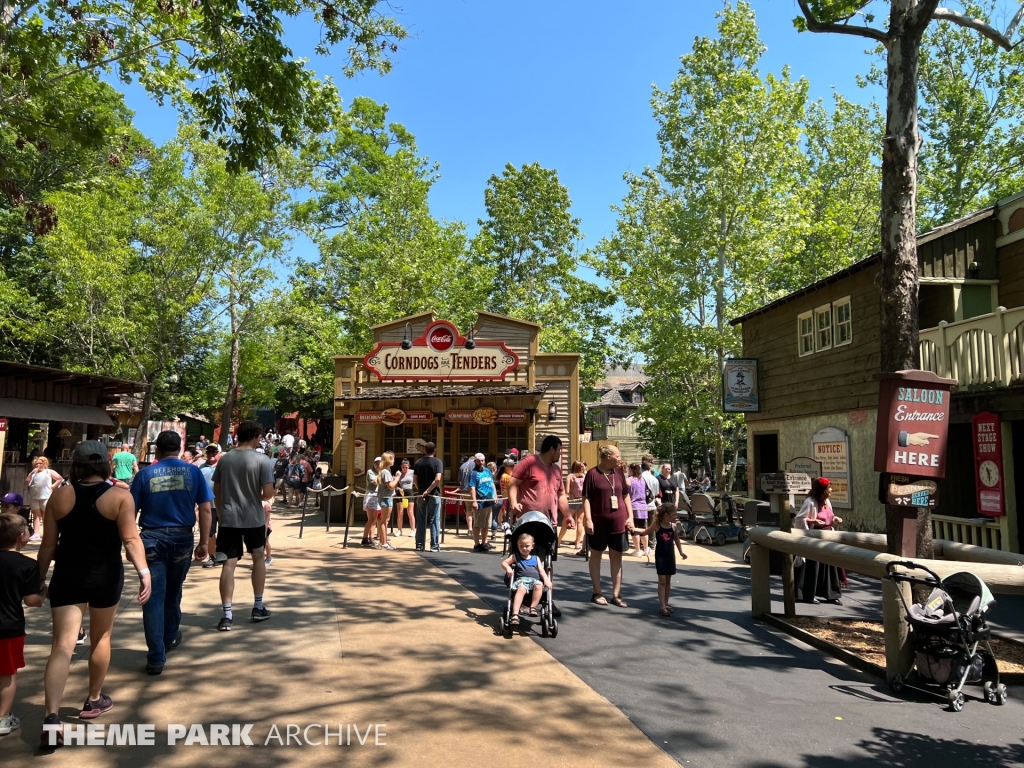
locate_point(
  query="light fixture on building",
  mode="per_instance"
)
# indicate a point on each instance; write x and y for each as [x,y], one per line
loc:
[406,341]
[552,411]
[470,343]
[64,433]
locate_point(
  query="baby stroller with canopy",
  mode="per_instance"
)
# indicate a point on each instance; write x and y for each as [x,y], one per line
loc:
[545,540]
[946,630]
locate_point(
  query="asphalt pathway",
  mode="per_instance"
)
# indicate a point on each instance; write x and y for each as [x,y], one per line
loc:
[712,687]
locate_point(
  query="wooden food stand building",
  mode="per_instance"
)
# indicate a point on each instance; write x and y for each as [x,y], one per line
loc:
[486,392]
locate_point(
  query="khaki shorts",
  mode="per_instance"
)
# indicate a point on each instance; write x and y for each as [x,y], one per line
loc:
[482,518]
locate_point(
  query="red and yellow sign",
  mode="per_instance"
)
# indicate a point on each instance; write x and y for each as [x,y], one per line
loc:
[394,417]
[485,415]
[441,354]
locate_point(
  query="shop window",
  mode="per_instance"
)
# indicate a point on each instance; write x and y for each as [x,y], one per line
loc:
[823,327]
[511,436]
[805,334]
[843,321]
[395,439]
[474,438]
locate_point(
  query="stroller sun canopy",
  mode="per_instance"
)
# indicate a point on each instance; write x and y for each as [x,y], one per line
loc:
[538,525]
[963,587]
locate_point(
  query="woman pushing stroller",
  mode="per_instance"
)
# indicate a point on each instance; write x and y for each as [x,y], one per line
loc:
[527,574]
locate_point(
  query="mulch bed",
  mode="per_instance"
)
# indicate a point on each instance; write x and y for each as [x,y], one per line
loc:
[866,640]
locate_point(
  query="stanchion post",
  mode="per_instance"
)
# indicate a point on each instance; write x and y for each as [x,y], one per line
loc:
[348,516]
[898,650]
[302,522]
[327,509]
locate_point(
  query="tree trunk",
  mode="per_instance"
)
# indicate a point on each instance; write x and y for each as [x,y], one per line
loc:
[897,277]
[140,436]
[229,400]
[720,323]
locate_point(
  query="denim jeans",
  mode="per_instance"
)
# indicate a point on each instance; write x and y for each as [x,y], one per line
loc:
[168,554]
[428,510]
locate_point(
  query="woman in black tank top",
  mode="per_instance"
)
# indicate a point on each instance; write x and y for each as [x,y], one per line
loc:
[87,521]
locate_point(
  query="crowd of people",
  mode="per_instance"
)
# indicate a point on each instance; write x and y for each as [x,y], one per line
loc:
[108,504]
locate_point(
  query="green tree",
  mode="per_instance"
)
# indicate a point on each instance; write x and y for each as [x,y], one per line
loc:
[224,62]
[530,240]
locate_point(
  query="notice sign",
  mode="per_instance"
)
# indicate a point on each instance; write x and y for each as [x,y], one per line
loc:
[913,420]
[988,464]
[739,387]
[831,448]
[359,457]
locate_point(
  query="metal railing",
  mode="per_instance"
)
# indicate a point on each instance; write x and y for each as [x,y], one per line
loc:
[987,350]
[988,532]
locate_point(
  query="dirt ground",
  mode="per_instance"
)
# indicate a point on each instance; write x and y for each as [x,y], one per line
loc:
[865,639]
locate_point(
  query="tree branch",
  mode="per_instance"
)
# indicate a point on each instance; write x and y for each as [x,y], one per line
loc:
[813,25]
[980,26]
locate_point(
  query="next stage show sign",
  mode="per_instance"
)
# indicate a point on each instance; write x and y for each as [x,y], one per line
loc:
[441,354]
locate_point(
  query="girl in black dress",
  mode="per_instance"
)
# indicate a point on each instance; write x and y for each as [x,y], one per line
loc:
[663,530]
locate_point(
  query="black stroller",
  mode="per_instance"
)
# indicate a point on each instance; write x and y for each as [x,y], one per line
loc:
[545,540]
[946,630]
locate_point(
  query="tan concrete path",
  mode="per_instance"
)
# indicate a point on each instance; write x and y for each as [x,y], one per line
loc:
[358,637]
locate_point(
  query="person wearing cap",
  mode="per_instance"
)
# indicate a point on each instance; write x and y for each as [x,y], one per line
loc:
[87,521]
[15,504]
[167,494]
[242,480]
[815,581]
[482,494]
[213,455]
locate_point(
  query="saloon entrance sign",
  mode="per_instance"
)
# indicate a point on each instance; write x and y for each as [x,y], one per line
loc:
[441,354]
[913,421]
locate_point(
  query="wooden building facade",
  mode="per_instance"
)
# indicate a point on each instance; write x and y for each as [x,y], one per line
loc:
[487,392]
[819,348]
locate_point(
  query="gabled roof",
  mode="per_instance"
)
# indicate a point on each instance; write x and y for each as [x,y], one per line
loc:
[873,259]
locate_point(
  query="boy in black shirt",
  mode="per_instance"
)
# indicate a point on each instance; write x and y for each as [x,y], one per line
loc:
[19,580]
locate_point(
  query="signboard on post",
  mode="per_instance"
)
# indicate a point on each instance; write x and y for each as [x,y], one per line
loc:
[785,483]
[913,421]
[906,491]
[739,386]
[831,447]
[806,465]
[988,464]
[441,354]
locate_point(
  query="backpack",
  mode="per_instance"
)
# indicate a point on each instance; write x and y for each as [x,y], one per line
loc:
[649,493]
[295,472]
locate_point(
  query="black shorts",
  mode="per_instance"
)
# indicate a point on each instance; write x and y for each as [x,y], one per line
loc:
[230,540]
[100,586]
[295,485]
[599,542]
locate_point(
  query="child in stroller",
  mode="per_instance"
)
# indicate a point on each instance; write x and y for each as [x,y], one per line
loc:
[528,569]
[527,574]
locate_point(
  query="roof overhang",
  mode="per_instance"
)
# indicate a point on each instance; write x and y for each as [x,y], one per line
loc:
[40,410]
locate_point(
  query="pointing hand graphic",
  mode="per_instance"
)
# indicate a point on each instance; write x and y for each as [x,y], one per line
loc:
[916,438]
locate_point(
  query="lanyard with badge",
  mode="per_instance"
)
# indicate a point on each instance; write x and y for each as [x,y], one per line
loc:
[612,485]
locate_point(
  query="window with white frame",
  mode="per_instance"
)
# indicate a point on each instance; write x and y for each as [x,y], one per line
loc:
[823,328]
[843,321]
[805,334]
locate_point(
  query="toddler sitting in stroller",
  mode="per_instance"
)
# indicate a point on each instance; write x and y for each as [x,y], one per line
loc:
[527,574]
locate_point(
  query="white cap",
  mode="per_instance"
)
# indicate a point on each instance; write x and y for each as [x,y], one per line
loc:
[377,460]
[480,457]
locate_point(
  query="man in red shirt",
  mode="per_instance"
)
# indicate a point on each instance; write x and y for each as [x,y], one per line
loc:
[537,483]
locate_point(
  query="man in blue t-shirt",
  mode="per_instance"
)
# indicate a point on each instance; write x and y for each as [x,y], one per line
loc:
[167,494]
[482,495]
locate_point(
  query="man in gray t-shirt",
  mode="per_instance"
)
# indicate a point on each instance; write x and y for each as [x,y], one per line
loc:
[243,485]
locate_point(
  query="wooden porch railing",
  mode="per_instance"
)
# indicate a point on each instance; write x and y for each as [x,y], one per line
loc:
[991,532]
[985,350]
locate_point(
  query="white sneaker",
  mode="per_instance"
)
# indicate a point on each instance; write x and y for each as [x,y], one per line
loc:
[268,562]
[35,537]
[641,553]
[397,533]
[8,724]
[648,551]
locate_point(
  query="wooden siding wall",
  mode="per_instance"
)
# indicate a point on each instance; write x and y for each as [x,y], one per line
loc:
[951,255]
[397,332]
[839,379]
[516,337]
[1011,271]
[49,392]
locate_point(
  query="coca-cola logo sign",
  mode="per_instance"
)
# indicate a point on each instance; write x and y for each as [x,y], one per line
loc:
[441,337]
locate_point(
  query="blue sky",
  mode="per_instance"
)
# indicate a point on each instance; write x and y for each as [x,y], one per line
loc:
[565,83]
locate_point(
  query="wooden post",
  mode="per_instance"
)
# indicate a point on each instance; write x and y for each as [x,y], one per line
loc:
[780,502]
[898,653]
[760,581]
